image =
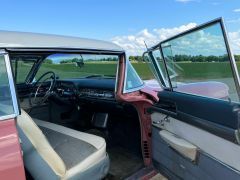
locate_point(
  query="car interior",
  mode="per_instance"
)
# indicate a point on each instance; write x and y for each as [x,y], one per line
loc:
[87,113]
[71,124]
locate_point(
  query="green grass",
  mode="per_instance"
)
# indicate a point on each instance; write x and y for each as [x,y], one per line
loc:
[212,70]
[143,70]
[23,70]
[202,70]
[70,70]
[190,72]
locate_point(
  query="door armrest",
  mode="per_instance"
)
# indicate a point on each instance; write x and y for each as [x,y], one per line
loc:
[182,146]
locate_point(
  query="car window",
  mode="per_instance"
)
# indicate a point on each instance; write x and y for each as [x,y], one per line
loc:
[79,65]
[132,80]
[21,69]
[159,75]
[143,68]
[199,63]
[6,101]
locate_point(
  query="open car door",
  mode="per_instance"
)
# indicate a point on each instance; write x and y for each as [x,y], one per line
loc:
[195,123]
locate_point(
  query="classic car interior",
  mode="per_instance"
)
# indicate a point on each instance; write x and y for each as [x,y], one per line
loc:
[79,116]
[86,113]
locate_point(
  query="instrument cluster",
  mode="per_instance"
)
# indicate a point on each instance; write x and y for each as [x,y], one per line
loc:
[96,93]
[69,89]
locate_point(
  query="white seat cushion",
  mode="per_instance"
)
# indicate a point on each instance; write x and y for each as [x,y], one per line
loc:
[58,152]
[91,156]
[96,141]
[40,144]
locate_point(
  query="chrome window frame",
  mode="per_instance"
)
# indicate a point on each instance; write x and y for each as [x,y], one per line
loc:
[11,87]
[156,69]
[232,62]
[116,80]
[125,79]
[231,57]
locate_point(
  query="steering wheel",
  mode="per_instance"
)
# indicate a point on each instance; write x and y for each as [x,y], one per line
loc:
[39,95]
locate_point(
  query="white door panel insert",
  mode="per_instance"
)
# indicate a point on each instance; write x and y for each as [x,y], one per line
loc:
[182,146]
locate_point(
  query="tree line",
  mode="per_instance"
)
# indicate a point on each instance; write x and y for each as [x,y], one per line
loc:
[188,58]
[177,58]
[75,60]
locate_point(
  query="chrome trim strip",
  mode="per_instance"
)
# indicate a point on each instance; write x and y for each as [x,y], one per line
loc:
[116,80]
[11,116]
[166,68]
[70,50]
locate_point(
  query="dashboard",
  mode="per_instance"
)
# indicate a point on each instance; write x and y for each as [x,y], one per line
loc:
[96,88]
[96,93]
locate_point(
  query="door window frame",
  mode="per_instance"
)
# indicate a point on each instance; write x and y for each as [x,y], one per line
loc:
[125,90]
[11,87]
[228,48]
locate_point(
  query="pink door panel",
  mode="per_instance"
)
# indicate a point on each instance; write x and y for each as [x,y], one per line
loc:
[11,163]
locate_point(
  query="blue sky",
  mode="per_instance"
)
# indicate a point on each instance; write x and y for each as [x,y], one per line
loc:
[117,20]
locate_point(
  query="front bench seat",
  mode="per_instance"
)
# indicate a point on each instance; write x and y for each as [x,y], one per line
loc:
[52,151]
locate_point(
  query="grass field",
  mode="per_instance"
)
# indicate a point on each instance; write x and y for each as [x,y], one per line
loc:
[70,70]
[199,71]
[190,71]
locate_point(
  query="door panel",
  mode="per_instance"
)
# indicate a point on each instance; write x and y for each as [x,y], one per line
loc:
[217,147]
[175,166]
[209,124]
[198,106]
[215,116]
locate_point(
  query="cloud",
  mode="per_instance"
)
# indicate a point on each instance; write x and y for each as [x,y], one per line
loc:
[205,42]
[234,38]
[134,43]
[236,10]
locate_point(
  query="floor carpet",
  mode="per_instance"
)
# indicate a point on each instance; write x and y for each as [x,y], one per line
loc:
[122,163]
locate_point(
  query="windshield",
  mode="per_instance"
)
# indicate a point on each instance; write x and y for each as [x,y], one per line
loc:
[67,66]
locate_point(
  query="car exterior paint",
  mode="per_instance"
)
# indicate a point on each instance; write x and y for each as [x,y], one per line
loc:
[141,101]
[11,162]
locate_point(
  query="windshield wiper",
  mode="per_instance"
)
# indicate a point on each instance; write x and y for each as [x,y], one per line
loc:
[100,75]
[93,76]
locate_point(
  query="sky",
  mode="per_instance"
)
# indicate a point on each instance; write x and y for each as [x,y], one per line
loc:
[127,23]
